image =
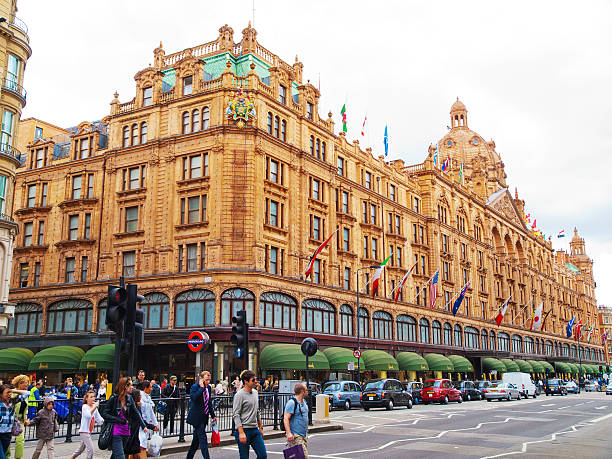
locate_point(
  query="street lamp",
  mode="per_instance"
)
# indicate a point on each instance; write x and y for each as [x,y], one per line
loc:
[357,319]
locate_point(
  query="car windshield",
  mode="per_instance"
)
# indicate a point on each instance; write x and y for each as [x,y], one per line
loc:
[331,387]
[433,384]
[554,382]
[498,385]
[374,385]
[481,384]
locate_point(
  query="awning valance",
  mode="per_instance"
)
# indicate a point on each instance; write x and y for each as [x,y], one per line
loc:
[99,357]
[15,359]
[339,357]
[411,361]
[573,368]
[510,365]
[490,363]
[537,366]
[290,357]
[461,364]
[65,358]
[524,366]
[438,362]
[548,368]
[562,367]
[378,360]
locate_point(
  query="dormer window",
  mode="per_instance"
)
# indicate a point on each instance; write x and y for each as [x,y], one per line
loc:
[282,94]
[309,110]
[187,85]
[147,96]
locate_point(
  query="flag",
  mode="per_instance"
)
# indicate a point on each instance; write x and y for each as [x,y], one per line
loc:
[561,233]
[446,164]
[536,321]
[577,330]
[386,141]
[343,113]
[569,327]
[433,290]
[436,156]
[461,173]
[459,299]
[377,273]
[589,335]
[310,266]
[604,338]
[534,223]
[528,218]
[363,127]
[544,319]
[398,289]
[500,316]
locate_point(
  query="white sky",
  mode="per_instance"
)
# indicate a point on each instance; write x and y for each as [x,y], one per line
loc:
[535,76]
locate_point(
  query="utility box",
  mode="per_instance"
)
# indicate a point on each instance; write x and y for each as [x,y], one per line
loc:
[322,413]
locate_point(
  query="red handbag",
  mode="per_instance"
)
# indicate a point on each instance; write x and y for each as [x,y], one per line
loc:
[215,438]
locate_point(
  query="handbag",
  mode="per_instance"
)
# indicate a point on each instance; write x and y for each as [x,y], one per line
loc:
[161,407]
[215,437]
[106,435]
[16,429]
[294,452]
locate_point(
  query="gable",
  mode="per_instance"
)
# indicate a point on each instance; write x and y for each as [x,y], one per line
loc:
[501,201]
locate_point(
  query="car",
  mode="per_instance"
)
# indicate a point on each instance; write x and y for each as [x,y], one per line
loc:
[502,391]
[414,387]
[554,386]
[482,385]
[343,394]
[386,393]
[522,381]
[441,391]
[572,387]
[609,390]
[468,390]
[592,387]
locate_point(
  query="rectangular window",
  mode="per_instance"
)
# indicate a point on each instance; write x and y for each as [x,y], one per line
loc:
[41,232]
[347,278]
[365,247]
[31,195]
[38,133]
[480,258]
[84,263]
[421,235]
[372,214]
[273,219]
[273,176]
[399,256]
[84,148]
[43,198]
[368,180]
[180,259]
[70,267]
[423,264]
[309,110]
[192,257]
[365,212]
[317,271]
[282,94]
[340,166]
[2,192]
[374,248]
[346,239]
[40,157]
[195,166]
[37,274]
[316,189]
[12,72]
[134,178]
[187,85]
[73,227]
[131,219]
[90,185]
[129,264]
[390,222]
[27,233]
[193,209]
[392,192]
[147,96]
[273,260]
[76,187]
[24,272]
[345,202]
[416,263]
[6,138]
[414,233]
[87,234]
[445,243]
[316,228]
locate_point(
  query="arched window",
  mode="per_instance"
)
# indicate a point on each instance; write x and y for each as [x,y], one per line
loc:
[548,348]
[194,308]
[68,316]
[277,310]
[205,118]
[517,344]
[424,331]
[323,151]
[528,343]
[143,132]
[312,145]
[448,334]
[234,300]
[565,348]
[318,151]
[503,342]
[26,321]
[364,319]
[580,352]
[318,316]
[406,328]
[126,136]
[346,320]
[458,336]
[284,131]
[195,120]
[471,337]
[382,325]
[186,123]
[134,134]
[573,349]
[102,305]
[156,307]
[492,341]
[269,123]
[276,127]
[484,339]
[436,332]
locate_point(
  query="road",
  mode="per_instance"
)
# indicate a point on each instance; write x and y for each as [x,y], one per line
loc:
[573,426]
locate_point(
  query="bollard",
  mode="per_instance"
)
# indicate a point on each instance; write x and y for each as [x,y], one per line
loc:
[181,438]
[69,420]
[275,401]
[322,414]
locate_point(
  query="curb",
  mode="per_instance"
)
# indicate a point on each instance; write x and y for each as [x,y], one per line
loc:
[267,435]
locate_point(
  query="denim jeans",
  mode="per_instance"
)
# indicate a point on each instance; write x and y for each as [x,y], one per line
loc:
[254,440]
[199,441]
[118,446]
[5,442]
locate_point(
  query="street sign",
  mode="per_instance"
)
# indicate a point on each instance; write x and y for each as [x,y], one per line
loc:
[197,340]
[351,366]
[357,353]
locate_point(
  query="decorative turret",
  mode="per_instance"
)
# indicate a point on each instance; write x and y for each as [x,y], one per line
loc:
[298,68]
[577,244]
[249,39]
[458,114]
[226,38]
[159,55]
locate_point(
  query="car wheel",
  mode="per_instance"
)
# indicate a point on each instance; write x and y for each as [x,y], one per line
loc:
[547,394]
[489,399]
[445,401]
[409,404]
[469,397]
[534,395]
[509,397]
[366,408]
[347,405]
[460,399]
[390,405]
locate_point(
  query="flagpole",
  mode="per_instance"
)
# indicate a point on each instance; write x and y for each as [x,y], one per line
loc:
[502,305]
[419,292]
[519,313]
[456,296]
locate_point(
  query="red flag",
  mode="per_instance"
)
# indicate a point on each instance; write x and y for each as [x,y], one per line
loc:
[577,330]
[500,316]
[398,289]
[534,224]
[310,266]
[363,127]
[433,290]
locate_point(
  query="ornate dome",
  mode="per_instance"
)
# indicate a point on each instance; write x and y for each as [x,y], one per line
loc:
[458,106]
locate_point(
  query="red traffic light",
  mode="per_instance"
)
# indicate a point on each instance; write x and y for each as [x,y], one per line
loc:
[116,296]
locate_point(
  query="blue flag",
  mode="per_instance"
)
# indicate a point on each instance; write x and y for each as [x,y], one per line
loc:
[459,299]
[436,156]
[386,141]
[570,325]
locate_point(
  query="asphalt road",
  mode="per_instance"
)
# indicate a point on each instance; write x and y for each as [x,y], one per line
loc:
[576,426]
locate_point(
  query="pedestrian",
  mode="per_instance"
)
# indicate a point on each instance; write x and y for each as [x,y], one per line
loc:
[140,378]
[133,447]
[67,387]
[101,395]
[89,418]
[164,383]
[219,390]
[155,390]
[201,408]
[237,384]
[170,392]
[35,398]
[46,426]
[20,383]
[120,410]
[245,412]
[148,415]
[7,415]
[295,418]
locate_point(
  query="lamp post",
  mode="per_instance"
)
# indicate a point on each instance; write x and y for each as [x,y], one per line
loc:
[357,321]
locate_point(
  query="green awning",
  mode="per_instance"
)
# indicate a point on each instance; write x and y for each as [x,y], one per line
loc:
[99,358]
[57,358]
[594,369]
[15,359]
[524,366]
[548,368]
[339,357]
[537,366]
[490,363]
[411,361]
[573,368]
[510,365]
[461,364]
[437,362]
[378,360]
[562,367]
[290,357]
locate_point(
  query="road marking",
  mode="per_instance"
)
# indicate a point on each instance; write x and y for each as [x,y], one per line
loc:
[564,408]
[602,407]
[549,404]
[601,418]
[369,428]
[529,419]
[578,404]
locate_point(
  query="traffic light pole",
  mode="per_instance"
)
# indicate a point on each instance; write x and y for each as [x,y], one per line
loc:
[118,338]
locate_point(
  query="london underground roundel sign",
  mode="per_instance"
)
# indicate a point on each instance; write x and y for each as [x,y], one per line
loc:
[197,340]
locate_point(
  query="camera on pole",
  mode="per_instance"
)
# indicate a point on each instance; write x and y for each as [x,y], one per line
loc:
[240,335]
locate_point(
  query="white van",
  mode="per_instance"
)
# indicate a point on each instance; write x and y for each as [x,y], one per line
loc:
[522,381]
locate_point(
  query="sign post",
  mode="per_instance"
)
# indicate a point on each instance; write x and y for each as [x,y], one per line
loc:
[196,342]
[309,348]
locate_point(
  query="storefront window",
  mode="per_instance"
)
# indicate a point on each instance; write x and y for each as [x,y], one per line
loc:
[27,320]
[448,334]
[318,316]
[484,339]
[69,316]
[346,320]
[364,319]
[503,342]
[234,300]
[194,308]
[436,332]
[424,331]
[406,328]
[471,337]
[156,307]
[277,310]
[102,315]
[458,340]
[492,341]
[517,344]
[528,343]
[382,325]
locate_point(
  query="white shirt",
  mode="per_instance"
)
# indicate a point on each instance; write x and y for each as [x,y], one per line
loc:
[146,407]
[219,389]
[86,418]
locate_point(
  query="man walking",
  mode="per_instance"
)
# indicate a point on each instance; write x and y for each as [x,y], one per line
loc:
[170,392]
[200,409]
[296,418]
[245,412]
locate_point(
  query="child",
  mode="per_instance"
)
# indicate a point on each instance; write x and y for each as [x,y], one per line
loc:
[46,426]
[89,418]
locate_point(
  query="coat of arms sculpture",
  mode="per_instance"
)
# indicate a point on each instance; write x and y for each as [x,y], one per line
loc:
[240,108]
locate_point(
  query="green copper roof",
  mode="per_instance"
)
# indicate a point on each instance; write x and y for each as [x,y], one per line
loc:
[572,268]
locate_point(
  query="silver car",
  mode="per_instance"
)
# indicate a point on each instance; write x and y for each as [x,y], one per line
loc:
[343,394]
[502,391]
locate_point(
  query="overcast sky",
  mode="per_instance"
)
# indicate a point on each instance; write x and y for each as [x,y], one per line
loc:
[535,77]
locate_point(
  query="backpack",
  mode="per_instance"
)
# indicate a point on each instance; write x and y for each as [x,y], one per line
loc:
[295,408]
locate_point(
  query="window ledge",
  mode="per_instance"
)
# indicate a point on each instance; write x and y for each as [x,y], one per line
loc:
[129,234]
[275,229]
[396,236]
[276,185]
[31,248]
[186,182]
[183,226]
[342,217]
[345,253]
[132,191]
[74,243]
[77,202]
[33,210]
[370,226]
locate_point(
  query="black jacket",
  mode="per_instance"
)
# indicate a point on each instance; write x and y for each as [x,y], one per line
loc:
[110,412]
[171,392]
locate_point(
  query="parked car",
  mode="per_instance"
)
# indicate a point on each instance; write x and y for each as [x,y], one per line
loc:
[502,391]
[572,387]
[468,390]
[441,391]
[386,393]
[592,387]
[522,381]
[414,388]
[343,394]
[482,385]
[554,386]
[609,389]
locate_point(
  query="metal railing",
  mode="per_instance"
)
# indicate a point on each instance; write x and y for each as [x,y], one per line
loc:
[15,21]
[14,87]
[10,150]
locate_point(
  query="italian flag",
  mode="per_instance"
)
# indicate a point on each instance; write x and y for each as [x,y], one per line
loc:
[500,316]
[377,273]
[343,113]
[310,266]
[398,289]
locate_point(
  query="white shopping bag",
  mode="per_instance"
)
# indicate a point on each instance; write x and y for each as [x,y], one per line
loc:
[155,445]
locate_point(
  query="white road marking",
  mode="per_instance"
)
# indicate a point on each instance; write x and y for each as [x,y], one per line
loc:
[601,418]
[369,428]
[529,419]
[602,407]
[549,404]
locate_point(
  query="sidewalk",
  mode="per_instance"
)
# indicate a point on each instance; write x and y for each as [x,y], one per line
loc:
[64,450]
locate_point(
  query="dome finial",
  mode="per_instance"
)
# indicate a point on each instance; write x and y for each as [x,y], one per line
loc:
[458,114]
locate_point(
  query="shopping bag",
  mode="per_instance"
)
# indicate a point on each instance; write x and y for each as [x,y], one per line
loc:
[215,437]
[154,445]
[294,452]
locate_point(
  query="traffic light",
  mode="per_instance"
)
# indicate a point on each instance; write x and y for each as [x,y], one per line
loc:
[116,308]
[134,321]
[240,335]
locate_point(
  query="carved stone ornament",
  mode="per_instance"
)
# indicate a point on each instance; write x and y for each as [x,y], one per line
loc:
[504,205]
[240,108]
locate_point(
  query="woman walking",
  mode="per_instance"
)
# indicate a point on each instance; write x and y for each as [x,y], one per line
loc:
[7,415]
[121,411]
[148,414]
[21,408]
[89,418]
